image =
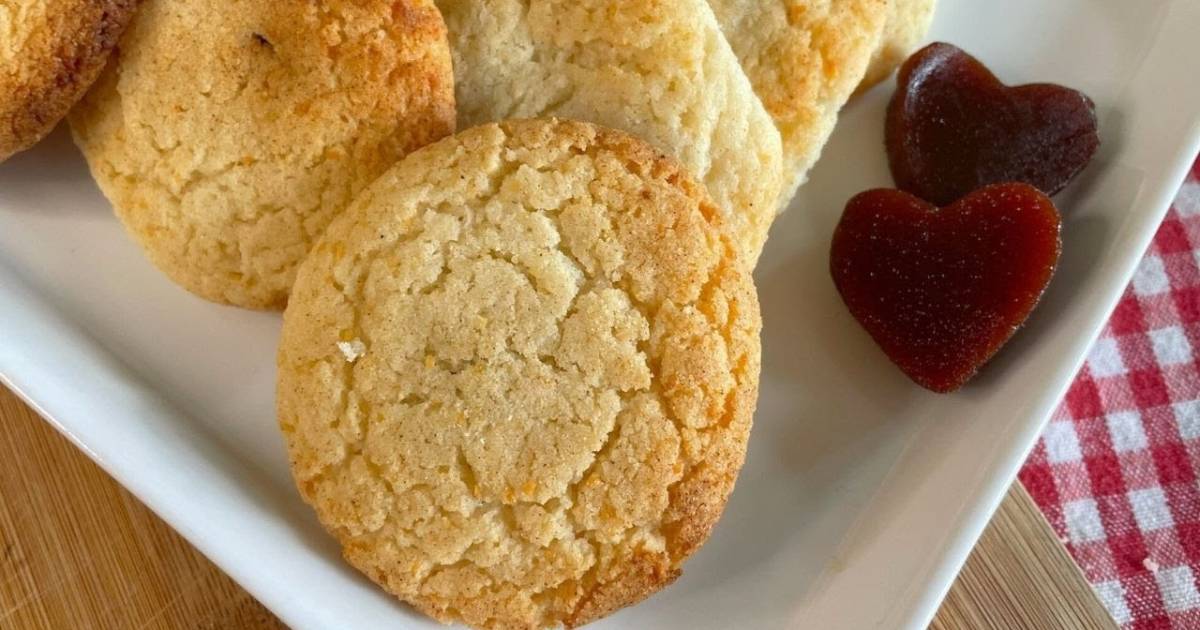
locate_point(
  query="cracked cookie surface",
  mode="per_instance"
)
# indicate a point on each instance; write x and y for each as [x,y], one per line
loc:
[227,133]
[804,58]
[516,377]
[50,52]
[659,69]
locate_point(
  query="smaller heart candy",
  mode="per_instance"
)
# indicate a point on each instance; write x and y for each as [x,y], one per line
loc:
[953,127]
[941,291]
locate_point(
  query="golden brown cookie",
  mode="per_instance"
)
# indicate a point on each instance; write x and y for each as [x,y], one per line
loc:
[50,52]
[517,375]
[804,58]
[658,69]
[228,133]
[907,23]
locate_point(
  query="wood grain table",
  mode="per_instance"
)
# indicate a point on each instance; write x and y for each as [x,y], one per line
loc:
[79,552]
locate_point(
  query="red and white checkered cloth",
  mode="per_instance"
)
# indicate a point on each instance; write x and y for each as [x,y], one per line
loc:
[1116,471]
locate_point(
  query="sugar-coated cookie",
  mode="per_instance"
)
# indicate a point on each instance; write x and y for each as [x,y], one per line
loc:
[804,58]
[50,52]
[227,133]
[658,69]
[907,24]
[517,375]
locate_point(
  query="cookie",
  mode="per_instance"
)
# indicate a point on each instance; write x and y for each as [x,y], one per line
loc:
[517,375]
[227,133]
[804,59]
[907,24]
[51,51]
[658,69]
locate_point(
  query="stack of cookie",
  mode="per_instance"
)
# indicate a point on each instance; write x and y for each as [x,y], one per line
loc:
[519,363]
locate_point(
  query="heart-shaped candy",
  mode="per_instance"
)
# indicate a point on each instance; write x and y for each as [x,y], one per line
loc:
[941,291]
[952,127]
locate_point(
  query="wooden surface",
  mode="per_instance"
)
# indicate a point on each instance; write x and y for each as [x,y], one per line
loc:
[1020,576]
[77,551]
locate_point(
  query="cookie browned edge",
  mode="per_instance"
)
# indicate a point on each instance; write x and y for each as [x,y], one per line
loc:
[29,112]
[697,501]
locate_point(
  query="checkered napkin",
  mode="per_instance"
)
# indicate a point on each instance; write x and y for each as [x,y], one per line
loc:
[1116,471]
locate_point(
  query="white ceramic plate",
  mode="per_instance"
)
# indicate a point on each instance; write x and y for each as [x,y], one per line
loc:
[862,494]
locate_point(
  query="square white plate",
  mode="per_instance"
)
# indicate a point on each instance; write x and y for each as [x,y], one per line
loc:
[862,494]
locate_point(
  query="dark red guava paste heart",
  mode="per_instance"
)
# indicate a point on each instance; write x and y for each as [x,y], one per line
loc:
[952,127]
[941,291]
